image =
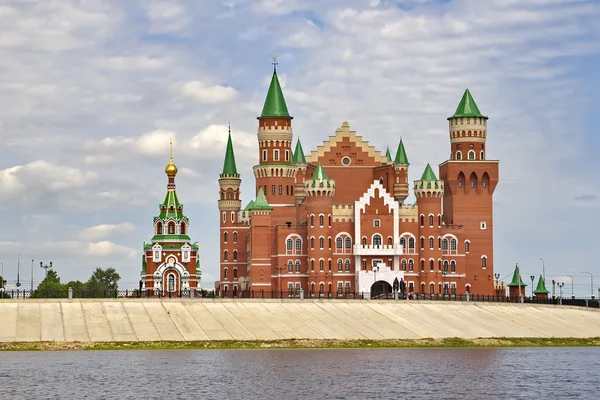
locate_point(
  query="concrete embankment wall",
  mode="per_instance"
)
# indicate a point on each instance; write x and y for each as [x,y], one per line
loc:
[175,319]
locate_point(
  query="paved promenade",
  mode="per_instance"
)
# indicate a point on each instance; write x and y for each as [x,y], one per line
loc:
[177,319]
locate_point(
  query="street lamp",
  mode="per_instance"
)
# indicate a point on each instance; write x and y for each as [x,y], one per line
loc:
[32,275]
[46,267]
[18,270]
[497,276]
[572,279]
[532,277]
[560,286]
[591,282]
[543,269]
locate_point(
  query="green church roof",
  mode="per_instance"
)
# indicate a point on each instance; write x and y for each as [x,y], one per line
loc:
[261,201]
[516,279]
[171,207]
[401,157]
[467,107]
[275,103]
[229,168]
[298,156]
[388,156]
[541,287]
[428,179]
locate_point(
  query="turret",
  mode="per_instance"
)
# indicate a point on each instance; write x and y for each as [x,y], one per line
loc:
[275,172]
[300,163]
[540,291]
[229,181]
[401,165]
[468,130]
[516,287]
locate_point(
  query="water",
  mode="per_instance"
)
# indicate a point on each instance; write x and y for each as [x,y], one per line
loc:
[510,373]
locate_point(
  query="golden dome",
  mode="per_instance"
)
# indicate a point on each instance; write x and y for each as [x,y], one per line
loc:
[171,169]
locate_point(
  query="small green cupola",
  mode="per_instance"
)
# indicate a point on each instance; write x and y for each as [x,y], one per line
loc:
[541,287]
[516,279]
[388,155]
[261,202]
[275,102]
[467,107]
[298,156]
[401,157]
[320,178]
[229,167]
[428,179]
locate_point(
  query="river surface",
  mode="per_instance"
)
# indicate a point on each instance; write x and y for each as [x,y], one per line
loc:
[505,373]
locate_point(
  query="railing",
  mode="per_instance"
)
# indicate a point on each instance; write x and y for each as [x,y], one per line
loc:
[378,249]
[289,294]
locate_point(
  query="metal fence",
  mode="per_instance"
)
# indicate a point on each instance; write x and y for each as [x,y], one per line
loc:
[290,294]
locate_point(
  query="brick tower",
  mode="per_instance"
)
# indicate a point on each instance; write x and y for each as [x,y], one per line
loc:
[470,180]
[401,165]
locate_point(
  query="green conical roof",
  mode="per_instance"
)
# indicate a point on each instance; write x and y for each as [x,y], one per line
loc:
[388,155]
[467,107]
[171,207]
[298,157]
[261,201]
[319,174]
[428,174]
[401,157]
[229,167]
[249,206]
[516,279]
[275,103]
[541,287]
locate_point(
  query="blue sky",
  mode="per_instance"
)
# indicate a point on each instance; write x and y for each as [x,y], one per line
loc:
[90,93]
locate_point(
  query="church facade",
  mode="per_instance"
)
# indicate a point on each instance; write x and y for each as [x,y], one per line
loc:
[335,221]
[170,264]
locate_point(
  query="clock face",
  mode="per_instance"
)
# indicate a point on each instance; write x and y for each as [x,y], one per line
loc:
[346,160]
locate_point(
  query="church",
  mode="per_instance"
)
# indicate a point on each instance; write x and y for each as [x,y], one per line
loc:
[335,221]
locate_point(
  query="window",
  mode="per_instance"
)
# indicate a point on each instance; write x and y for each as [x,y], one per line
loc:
[287,190]
[159,229]
[390,240]
[338,242]
[182,226]
[321,220]
[312,265]
[483,225]
[290,266]
[280,189]
[312,220]
[446,266]
[234,237]
[377,223]
[403,265]
[445,245]
[439,220]
[440,265]
[232,220]
[460,184]
[389,263]
[329,220]
[431,221]
[321,288]
[225,237]
[377,240]
[340,265]
[312,243]
[422,220]
[297,265]
[484,184]
[299,245]
[340,287]
[364,241]
[453,244]
[483,262]
[458,155]
[411,243]
[347,287]
[276,155]
[225,273]
[235,273]
[439,242]
[422,263]
[471,155]
[225,255]
[156,254]
[472,184]
[272,189]
[431,265]
[287,155]
[329,242]
[171,228]
[321,265]
[264,155]
[467,246]
[290,244]
[348,243]
[410,265]
[364,266]
[403,243]
[329,264]
[431,288]
[347,263]
[453,288]
[422,243]
[235,255]
[321,242]
[431,243]
[452,266]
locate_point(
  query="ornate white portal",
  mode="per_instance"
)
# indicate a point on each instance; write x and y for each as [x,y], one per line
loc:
[171,276]
[381,272]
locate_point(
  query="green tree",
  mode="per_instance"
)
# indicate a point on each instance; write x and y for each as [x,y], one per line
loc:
[103,283]
[3,285]
[50,287]
[78,288]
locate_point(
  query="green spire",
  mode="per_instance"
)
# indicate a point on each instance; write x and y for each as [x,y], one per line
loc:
[298,157]
[261,201]
[249,206]
[319,174]
[467,107]
[541,287]
[516,279]
[401,157]
[171,207]
[229,168]
[428,174]
[275,103]
[388,155]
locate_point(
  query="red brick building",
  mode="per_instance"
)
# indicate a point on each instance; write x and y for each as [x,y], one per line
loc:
[170,263]
[336,220]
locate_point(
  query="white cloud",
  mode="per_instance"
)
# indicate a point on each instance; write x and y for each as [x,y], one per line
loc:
[210,143]
[116,149]
[106,231]
[135,62]
[210,94]
[166,16]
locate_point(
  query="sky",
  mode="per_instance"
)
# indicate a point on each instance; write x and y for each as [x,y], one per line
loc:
[91,91]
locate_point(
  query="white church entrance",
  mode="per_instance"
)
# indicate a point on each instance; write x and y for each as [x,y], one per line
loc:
[378,282]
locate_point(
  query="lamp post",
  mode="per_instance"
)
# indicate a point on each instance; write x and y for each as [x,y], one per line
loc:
[18,270]
[570,276]
[591,282]
[532,277]
[32,275]
[375,270]
[560,286]
[497,276]
[553,286]
[543,269]
[46,267]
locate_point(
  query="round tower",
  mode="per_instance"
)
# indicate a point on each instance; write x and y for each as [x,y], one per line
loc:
[429,192]
[319,200]
[275,172]
[401,165]
[468,130]
[229,182]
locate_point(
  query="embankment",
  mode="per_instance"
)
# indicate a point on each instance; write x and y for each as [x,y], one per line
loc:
[185,320]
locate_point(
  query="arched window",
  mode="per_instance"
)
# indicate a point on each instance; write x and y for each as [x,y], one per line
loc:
[312,265]
[445,244]
[390,240]
[483,262]
[329,264]
[471,155]
[348,243]
[431,288]
[458,155]
[439,242]
[290,266]
[290,244]
[431,243]
[329,242]
[235,255]
[321,265]
[235,273]
[312,243]
[481,155]
[225,273]
[467,246]
[171,283]
[422,220]
[411,243]
[321,242]
[171,228]
[321,288]
[452,266]
[347,265]
[225,237]
[339,262]
[431,265]
[225,255]
[446,266]
[364,241]
[439,220]
[403,265]
[297,265]
[312,220]
[321,220]
[312,287]
[453,244]
[422,243]
[403,243]
[377,240]
[422,265]
[182,228]
[159,228]
[431,220]
[410,265]
[299,245]
[440,265]
[234,237]
[338,242]
[329,220]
